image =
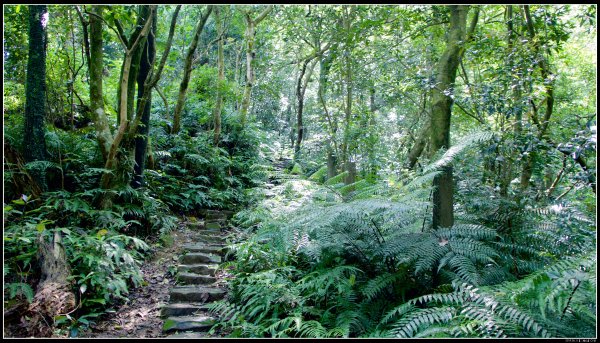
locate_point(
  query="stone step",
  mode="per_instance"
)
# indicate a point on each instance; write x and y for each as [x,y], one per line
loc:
[188,323]
[188,335]
[196,224]
[195,294]
[200,268]
[198,257]
[205,248]
[215,216]
[210,239]
[195,279]
[212,226]
[181,309]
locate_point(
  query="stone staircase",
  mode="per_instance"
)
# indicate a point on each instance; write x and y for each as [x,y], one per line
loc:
[186,315]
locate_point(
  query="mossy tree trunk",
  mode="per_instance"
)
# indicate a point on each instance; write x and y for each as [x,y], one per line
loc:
[443,202]
[249,34]
[96,65]
[187,71]
[34,142]
[220,78]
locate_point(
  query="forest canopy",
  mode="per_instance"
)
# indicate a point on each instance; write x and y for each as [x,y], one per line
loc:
[392,170]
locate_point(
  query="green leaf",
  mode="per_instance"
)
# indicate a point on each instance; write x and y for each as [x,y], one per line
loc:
[40,227]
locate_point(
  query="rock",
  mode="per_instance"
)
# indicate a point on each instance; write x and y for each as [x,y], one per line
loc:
[203,248]
[193,323]
[198,257]
[206,269]
[213,226]
[196,294]
[187,335]
[210,239]
[195,279]
[181,309]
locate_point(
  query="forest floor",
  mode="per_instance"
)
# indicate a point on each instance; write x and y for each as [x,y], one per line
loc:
[140,316]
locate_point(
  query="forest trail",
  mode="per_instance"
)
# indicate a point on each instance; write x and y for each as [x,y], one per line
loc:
[173,304]
[197,285]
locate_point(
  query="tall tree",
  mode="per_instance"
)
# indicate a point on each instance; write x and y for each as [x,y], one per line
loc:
[187,70]
[541,123]
[144,102]
[35,92]
[131,45]
[221,76]
[441,110]
[249,35]
[96,65]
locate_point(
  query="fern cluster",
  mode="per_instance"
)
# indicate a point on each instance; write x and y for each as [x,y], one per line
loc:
[324,259]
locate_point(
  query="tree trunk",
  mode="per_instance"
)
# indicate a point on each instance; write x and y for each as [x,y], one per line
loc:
[221,76]
[443,213]
[34,142]
[249,36]
[417,149]
[331,164]
[141,140]
[300,91]
[96,64]
[187,71]
[112,161]
[348,82]
[549,99]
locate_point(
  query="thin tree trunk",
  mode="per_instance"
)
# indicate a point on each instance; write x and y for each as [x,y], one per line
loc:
[249,34]
[549,99]
[187,70]
[300,91]
[419,146]
[221,77]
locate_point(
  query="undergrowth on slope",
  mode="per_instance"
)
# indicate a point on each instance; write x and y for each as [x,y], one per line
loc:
[325,259]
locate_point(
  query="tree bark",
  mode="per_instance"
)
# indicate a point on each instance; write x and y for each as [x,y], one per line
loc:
[549,99]
[111,160]
[417,149]
[34,141]
[96,64]
[443,202]
[53,294]
[249,34]
[144,102]
[220,78]
[187,70]
[300,91]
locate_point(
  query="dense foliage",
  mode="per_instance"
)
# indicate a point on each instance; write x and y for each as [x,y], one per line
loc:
[315,124]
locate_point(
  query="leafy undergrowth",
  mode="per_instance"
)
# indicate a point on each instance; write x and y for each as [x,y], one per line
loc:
[324,259]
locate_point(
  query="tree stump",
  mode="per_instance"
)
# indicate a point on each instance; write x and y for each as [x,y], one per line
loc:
[54,295]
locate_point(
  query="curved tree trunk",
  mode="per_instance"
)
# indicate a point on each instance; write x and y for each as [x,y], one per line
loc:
[443,213]
[187,71]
